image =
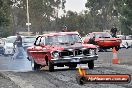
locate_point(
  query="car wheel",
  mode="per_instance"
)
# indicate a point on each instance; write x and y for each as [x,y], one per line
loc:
[72,66]
[91,64]
[34,65]
[51,66]
[100,49]
[127,45]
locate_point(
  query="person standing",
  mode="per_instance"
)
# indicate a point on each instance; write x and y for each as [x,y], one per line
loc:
[19,52]
[64,29]
[113,31]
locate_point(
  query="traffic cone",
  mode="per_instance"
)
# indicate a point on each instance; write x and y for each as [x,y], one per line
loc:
[115,58]
[81,71]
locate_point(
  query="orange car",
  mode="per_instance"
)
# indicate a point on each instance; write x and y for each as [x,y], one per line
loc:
[103,39]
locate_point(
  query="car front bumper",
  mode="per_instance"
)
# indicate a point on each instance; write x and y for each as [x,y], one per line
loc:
[8,51]
[76,59]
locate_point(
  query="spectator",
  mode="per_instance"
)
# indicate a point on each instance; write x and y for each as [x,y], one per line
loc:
[64,29]
[113,31]
[19,52]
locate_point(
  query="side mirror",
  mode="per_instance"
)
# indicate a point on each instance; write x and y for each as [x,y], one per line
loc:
[35,44]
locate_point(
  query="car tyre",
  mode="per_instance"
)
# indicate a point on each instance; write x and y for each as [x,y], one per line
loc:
[100,49]
[91,64]
[127,46]
[72,66]
[35,66]
[51,66]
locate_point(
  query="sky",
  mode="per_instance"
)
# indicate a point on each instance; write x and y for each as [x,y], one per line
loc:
[74,5]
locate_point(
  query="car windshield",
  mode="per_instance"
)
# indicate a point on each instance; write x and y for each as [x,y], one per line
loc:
[71,38]
[29,39]
[102,35]
[10,40]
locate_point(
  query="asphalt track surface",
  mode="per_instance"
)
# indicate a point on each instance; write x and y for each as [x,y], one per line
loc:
[24,77]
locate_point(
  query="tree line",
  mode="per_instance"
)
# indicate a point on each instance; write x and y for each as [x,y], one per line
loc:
[100,15]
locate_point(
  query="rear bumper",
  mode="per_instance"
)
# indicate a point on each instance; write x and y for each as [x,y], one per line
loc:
[76,59]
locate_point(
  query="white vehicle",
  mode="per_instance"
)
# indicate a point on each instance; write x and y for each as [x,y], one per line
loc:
[8,46]
[28,41]
[2,42]
[126,41]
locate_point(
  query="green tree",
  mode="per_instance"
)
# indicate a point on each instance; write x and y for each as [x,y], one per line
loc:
[105,12]
[42,13]
[4,17]
[126,17]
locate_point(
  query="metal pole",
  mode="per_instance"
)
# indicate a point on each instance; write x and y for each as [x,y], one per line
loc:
[28,18]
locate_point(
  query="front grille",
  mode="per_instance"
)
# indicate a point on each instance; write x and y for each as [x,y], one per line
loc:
[86,52]
[74,52]
[66,53]
[77,52]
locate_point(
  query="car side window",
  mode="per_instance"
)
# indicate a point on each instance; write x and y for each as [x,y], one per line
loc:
[48,40]
[38,40]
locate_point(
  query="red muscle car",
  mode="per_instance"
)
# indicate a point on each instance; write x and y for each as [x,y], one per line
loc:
[103,39]
[59,49]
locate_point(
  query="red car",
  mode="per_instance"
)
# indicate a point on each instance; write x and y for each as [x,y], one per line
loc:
[103,39]
[59,49]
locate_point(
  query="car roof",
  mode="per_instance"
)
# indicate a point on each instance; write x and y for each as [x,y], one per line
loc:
[60,33]
[13,36]
[99,32]
[29,36]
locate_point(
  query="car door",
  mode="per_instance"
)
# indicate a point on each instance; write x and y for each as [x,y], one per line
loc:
[38,53]
[42,52]
[35,52]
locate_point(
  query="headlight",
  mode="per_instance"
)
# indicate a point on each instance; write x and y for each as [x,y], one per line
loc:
[92,51]
[55,54]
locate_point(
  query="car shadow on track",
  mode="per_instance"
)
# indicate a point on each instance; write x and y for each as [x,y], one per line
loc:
[108,50]
[61,69]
